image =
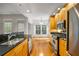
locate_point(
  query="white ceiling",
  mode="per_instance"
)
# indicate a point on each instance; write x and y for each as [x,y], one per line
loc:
[37,10]
[8,8]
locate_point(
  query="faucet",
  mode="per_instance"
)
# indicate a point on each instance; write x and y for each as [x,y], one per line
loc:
[9,37]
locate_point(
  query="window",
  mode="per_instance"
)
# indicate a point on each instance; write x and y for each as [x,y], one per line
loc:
[20,27]
[41,29]
[7,27]
[44,29]
[38,29]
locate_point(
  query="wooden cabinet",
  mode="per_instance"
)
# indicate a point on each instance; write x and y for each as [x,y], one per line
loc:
[19,50]
[62,47]
[10,53]
[25,49]
[53,23]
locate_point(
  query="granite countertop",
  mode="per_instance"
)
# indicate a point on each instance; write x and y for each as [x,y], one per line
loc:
[4,48]
[59,34]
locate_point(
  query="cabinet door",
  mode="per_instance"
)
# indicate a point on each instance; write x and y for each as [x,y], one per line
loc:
[18,50]
[10,53]
[22,49]
[62,47]
[53,23]
[25,48]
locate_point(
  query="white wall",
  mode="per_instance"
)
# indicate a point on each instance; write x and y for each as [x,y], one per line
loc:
[38,22]
[30,29]
[15,19]
[1,26]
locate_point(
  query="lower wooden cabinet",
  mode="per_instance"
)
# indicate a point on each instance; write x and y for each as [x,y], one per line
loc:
[25,49]
[62,47]
[10,53]
[19,50]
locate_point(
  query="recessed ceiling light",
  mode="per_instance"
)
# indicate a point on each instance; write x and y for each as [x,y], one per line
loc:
[28,11]
[53,13]
[58,8]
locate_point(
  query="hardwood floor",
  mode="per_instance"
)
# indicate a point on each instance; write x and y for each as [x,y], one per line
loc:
[41,47]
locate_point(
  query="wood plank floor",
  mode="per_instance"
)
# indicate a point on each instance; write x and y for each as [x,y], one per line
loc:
[41,47]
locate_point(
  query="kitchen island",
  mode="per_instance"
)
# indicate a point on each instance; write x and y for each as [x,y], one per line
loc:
[14,47]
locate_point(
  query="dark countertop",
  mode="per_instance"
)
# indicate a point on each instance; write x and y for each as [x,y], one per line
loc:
[5,48]
[59,34]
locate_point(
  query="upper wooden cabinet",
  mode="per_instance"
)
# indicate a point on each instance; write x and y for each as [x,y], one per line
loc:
[53,23]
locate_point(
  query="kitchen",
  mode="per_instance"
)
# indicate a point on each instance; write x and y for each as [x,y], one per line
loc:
[28,29]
